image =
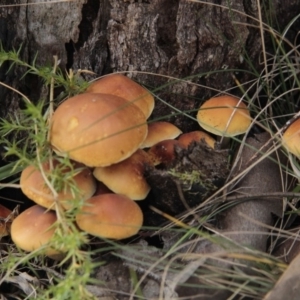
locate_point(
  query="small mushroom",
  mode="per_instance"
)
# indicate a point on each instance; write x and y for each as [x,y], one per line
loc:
[6,217]
[35,188]
[122,86]
[160,131]
[110,216]
[291,138]
[196,136]
[33,229]
[163,152]
[127,176]
[224,116]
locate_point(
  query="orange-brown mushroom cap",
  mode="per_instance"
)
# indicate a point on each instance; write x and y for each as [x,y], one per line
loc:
[34,228]
[5,220]
[196,136]
[122,86]
[97,129]
[224,116]
[127,176]
[163,152]
[291,138]
[160,131]
[110,216]
[35,188]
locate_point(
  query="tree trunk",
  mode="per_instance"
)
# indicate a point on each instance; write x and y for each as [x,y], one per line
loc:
[154,41]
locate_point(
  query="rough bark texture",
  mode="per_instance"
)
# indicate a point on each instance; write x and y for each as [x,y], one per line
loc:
[174,38]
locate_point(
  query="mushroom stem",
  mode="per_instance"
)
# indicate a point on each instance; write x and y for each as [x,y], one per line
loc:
[222,142]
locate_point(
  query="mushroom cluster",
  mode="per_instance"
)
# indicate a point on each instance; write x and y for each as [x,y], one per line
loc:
[101,132]
[223,116]
[191,166]
[104,133]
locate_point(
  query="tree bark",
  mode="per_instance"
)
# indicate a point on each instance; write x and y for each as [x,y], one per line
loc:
[154,41]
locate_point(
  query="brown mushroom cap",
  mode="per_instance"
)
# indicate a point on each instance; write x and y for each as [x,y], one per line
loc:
[33,228]
[34,187]
[5,221]
[224,116]
[97,129]
[110,216]
[127,176]
[196,136]
[122,86]
[163,152]
[160,131]
[291,138]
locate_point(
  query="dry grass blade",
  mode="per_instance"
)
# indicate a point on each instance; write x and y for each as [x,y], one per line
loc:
[35,3]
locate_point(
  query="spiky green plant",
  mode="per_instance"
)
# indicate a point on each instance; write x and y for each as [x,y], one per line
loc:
[25,137]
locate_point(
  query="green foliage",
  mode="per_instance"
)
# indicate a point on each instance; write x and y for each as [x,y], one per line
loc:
[195,177]
[25,139]
[72,83]
[22,135]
